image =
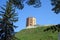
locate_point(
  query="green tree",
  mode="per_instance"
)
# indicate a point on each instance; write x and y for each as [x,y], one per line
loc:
[7,20]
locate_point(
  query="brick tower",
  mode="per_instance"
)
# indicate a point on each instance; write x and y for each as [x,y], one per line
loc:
[31,21]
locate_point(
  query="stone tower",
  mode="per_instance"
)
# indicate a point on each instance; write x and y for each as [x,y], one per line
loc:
[31,21]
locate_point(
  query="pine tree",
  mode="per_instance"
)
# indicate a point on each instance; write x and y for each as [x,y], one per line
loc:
[6,22]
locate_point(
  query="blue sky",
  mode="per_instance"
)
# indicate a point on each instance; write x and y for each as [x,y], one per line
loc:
[43,15]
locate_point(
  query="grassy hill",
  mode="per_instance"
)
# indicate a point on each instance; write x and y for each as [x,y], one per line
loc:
[36,34]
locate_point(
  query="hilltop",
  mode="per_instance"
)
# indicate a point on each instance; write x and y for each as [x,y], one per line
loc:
[36,34]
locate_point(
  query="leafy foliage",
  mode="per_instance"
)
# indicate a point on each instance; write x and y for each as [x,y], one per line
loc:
[20,3]
[53,28]
[35,3]
[56,4]
[17,3]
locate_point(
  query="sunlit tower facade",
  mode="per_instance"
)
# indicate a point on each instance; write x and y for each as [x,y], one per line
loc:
[30,21]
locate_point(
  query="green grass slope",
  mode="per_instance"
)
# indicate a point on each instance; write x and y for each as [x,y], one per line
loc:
[36,34]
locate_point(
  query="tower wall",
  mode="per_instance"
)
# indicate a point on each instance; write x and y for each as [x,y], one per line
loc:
[31,21]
